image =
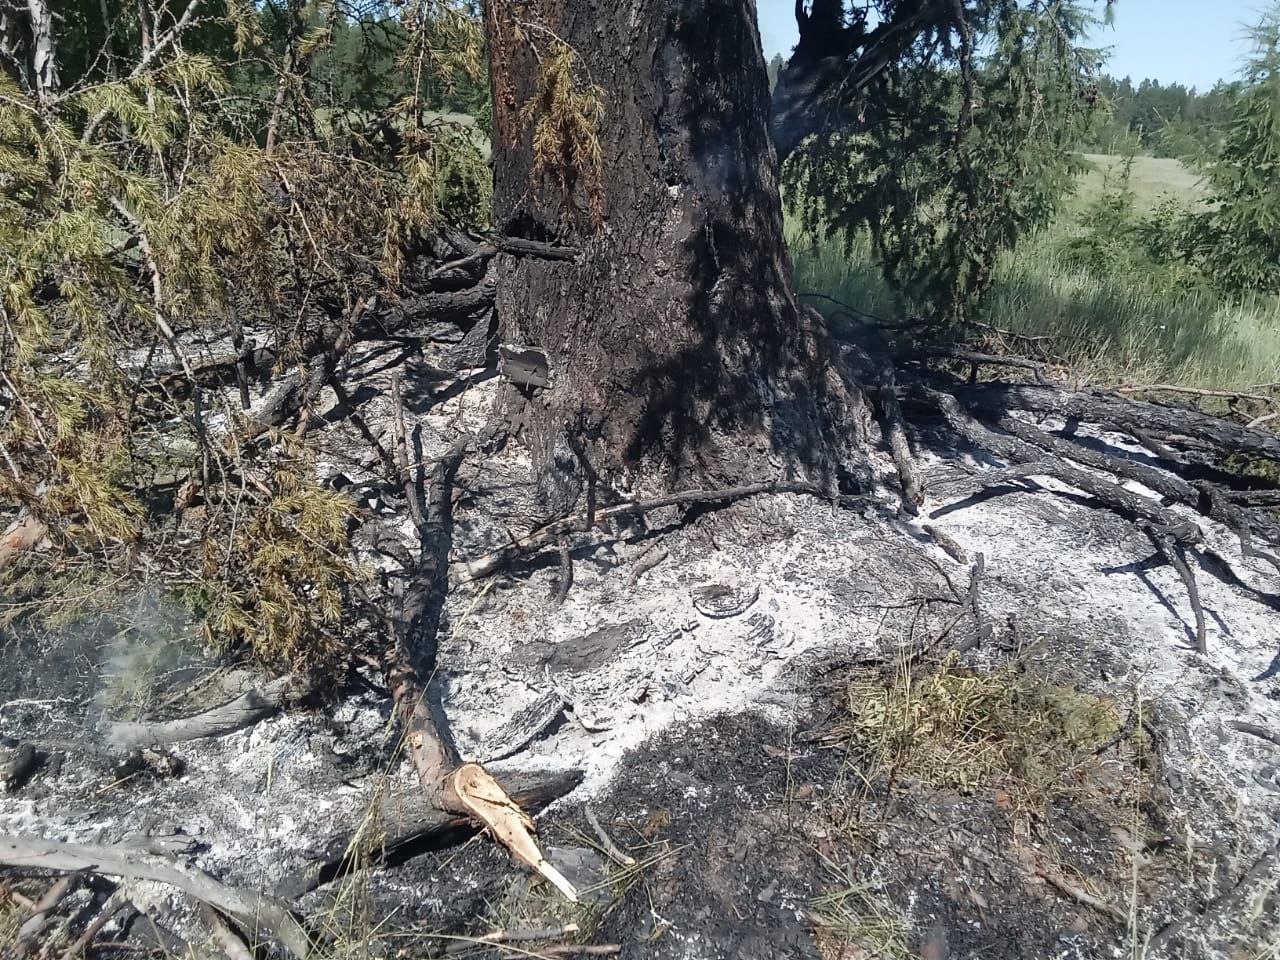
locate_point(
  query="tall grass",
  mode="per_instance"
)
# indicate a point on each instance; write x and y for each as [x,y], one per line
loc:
[1121,327]
[1127,328]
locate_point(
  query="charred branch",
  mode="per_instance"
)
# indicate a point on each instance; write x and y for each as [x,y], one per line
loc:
[1254,730]
[257,913]
[547,536]
[245,710]
[1209,500]
[976,359]
[1174,553]
[1128,416]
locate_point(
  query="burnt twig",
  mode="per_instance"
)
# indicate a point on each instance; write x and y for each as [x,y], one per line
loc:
[896,436]
[566,570]
[544,537]
[606,842]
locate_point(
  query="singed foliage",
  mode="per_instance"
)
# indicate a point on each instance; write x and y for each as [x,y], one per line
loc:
[174,194]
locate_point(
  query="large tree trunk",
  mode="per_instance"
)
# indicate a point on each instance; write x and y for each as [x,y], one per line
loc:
[675,343]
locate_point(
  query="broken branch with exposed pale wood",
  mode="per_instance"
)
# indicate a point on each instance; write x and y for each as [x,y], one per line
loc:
[24,533]
[452,785]
[255,912]
[416,830]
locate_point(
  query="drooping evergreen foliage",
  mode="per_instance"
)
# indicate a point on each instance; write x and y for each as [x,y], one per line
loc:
[956,149]
[1237,241]
[200,170]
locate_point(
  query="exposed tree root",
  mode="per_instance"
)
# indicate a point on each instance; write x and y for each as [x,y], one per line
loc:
[896,435]
[1128,416]
[1030,461]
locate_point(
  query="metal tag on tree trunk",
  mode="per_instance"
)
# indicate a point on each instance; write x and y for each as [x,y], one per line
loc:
[526,366]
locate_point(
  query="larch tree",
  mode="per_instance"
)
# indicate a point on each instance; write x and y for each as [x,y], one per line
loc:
[644,134]
[636,266]
[677,348]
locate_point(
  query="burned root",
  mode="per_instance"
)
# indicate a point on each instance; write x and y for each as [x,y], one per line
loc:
[982,415]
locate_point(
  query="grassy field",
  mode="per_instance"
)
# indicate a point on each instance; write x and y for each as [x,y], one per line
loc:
[1113,328]
[1152,180]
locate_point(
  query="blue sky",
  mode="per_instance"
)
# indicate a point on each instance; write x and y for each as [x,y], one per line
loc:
[1188,41]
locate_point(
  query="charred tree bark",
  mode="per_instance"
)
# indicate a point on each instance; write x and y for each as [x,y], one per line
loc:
[675,345]
[44,64]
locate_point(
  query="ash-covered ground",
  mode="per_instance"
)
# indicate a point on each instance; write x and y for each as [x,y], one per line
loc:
[693,696]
